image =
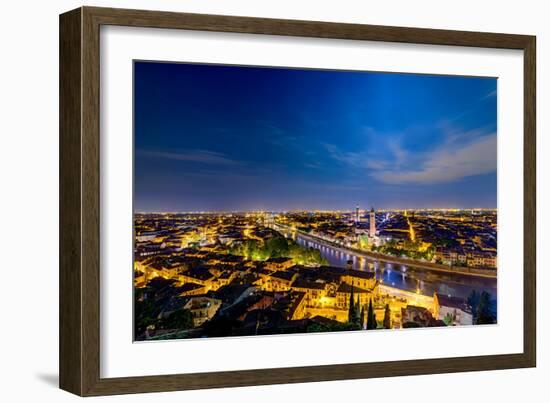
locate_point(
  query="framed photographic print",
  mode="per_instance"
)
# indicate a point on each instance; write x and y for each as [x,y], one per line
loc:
[250,201]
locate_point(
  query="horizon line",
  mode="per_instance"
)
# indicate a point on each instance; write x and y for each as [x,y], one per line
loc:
[319,210]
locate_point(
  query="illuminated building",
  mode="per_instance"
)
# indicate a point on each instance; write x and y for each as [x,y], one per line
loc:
[359,278]
[202,309]
[296,308]
[226,277]
[146,236]
[199,275]
[276,281]
[372,219]
[190,289]
[267,292]
[315,291]
[279,263]
[343,295]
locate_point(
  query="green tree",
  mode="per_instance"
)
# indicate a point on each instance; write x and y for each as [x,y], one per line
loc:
[362,317]
[387,317]
[277,247]
[181,319]
[473,302]
[144,313]
[314,327]
[351,309]
[371,317]
[484,316]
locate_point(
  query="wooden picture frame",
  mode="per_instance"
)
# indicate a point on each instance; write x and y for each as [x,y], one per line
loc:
[80,185]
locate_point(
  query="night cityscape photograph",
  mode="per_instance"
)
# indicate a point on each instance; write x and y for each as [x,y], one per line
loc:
[273,200]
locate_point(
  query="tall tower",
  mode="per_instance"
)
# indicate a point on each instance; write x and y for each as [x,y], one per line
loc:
[357,213]
[372,219]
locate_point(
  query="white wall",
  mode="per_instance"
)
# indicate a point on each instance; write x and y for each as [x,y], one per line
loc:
[29,196]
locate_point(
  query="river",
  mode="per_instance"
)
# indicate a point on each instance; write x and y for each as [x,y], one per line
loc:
[405,277]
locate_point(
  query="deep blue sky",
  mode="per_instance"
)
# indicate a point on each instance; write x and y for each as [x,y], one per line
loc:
[212,137]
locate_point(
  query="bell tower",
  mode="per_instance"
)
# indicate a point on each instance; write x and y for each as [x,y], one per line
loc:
[372,219]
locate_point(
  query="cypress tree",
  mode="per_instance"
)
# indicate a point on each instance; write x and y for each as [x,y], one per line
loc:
[387,317]
[483,309]
[351,310]
[371,318]
[473,302]
[362,317]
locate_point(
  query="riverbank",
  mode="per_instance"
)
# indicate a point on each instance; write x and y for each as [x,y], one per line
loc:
[435,267]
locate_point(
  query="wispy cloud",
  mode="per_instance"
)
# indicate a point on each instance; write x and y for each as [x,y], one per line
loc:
[200,156]
[365,159]
[473,107]
[312,165]
[490,94]
[448,163]
[461,155]
[354,159]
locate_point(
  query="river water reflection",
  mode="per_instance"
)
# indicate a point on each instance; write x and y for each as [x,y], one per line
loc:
[407,277]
